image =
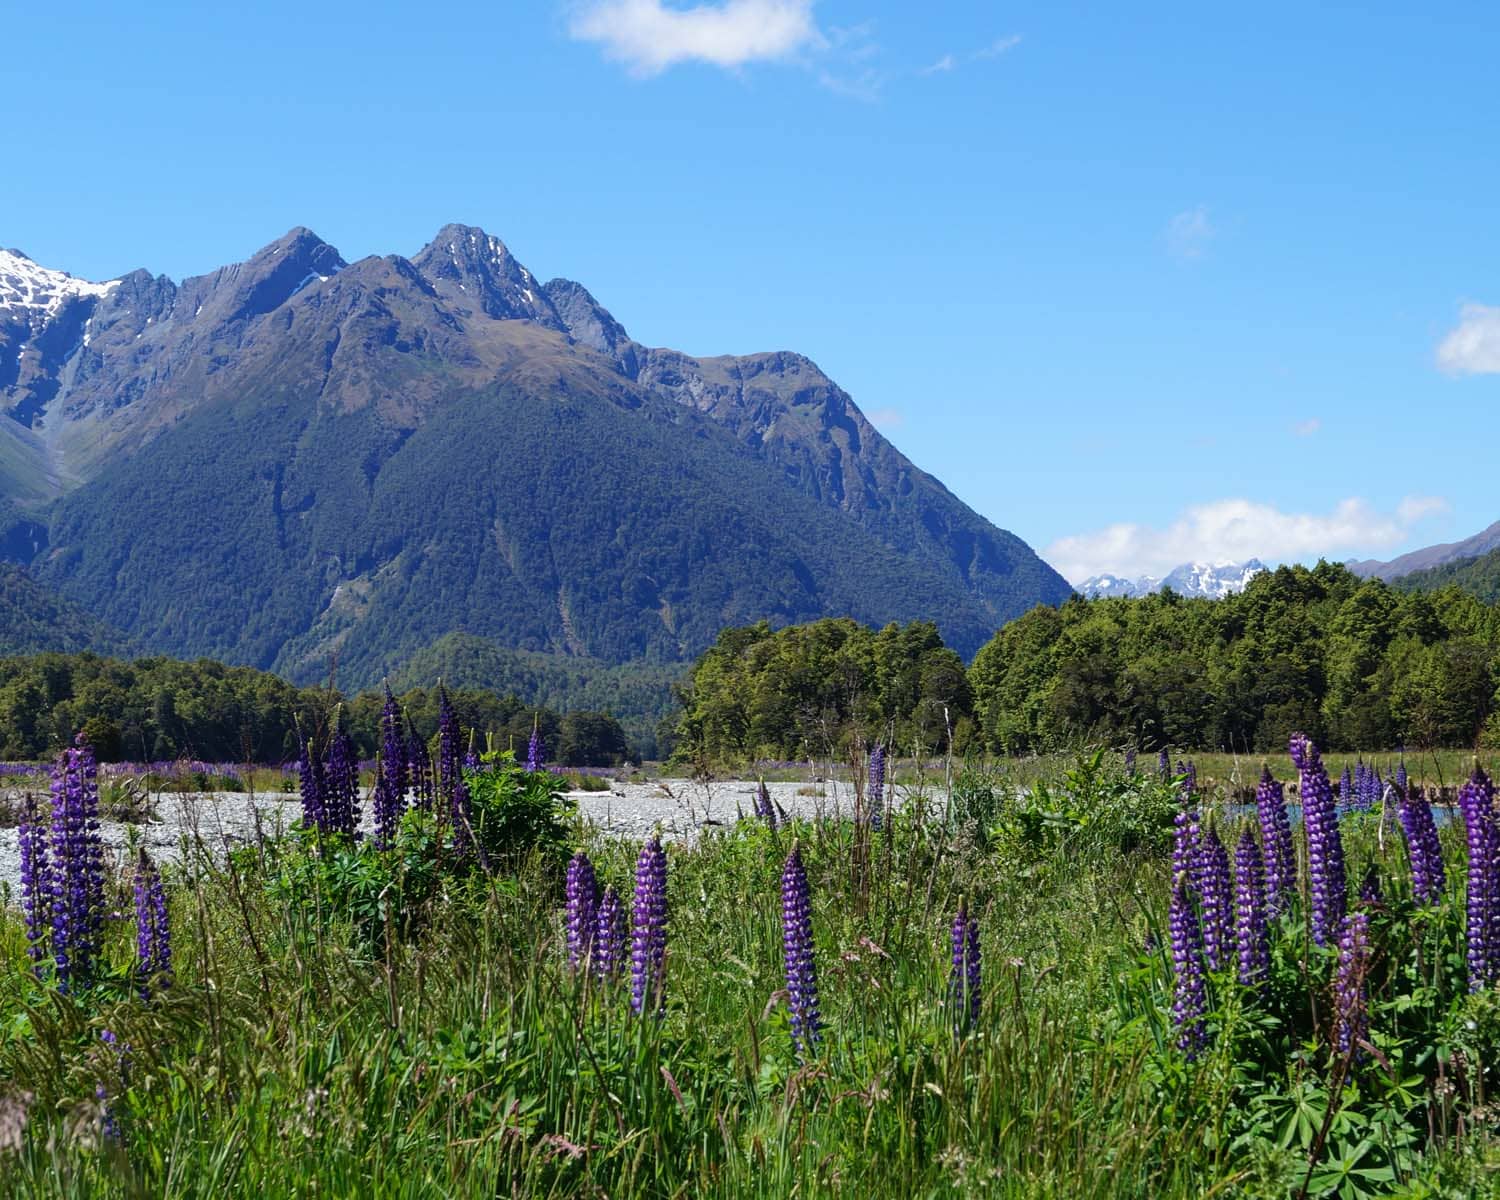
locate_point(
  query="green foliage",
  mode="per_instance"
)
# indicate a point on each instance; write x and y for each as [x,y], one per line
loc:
[34,619]
[518,813]
[1351,662]
[808,690]
[1478,577]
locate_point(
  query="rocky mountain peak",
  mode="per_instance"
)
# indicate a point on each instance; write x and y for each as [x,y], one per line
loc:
[476,271]
[266,280]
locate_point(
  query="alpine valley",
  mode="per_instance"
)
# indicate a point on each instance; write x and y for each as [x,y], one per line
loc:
[294,461]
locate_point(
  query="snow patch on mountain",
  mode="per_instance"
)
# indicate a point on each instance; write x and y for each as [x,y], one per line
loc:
[1213,580]
[25,284]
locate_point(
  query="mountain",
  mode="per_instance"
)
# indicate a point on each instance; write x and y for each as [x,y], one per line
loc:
[295,460]
[1479,576]
[1430,556]
[1214,580]
[35,620]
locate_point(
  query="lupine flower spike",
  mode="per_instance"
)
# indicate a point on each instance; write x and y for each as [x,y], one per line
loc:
[1351,1015]
[966,978]
[390,785]
[36,882]
[153,935]
[1276,836]
[1422,846]
[797,943]
[582,910]
[609,936]
[1476,799]
[764,809]
[341,781]
[1325,847]
[1189,996]
[1252,935]
[535,752]
[1214,893]
[76,866]
[876,790]
[648,933]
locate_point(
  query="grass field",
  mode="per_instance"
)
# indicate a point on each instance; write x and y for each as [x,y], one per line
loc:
[451,1051]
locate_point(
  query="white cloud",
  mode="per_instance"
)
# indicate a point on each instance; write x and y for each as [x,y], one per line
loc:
[1000,46]
[946,63]
[1308,427]
[649,37]
[1188,233]
[887,418]
[1234,530]
[1473,347]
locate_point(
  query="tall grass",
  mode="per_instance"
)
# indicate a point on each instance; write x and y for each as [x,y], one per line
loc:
[466,1060]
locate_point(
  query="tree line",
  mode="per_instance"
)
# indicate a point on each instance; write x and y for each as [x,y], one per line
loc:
[157,709]
[1356,664]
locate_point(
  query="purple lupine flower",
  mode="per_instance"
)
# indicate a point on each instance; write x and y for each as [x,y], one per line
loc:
[1401,778]
[797,942]
[1476,801]
[535,751]
[648,932]
[1214,895]
[76,868]
[1351,1016]
[390,784]
[1276,834]
[1325,848]
[966,978]
[582,910]
[764,809]
[341,782]
[1185,846]
[449,763]
[310,783]
[419,771]
[876,797]
[1422,846]
[1189,772]
[1164,765]
[153,933]
[1130,761]
[471,760]
[1370,892]
[36,881]
[1346,789]
[609,936]
[1189,996]
[1251,932]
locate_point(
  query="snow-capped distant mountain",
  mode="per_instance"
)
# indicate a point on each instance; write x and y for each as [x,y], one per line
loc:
[1214,580]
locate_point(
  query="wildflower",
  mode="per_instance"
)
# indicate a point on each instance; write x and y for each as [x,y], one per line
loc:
[1189,996]
[764,809]
[535,751]
[1422,846]
[1189,772]
[1346,789]
[449,765]
[966,978]
[153,935]
[1476,800]
[1130,761]
[76,868]
[876,791]
[1351,1009]
[1276,834]
[1164,765]
[609,936]
[310,782]
[390,783]
[648,933]
[1325,848]
[36,882]
[1251,932]
[801,969]
[341,780]
[582,909]
[1213,892]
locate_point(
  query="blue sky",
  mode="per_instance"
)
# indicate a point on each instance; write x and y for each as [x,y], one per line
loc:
[1140,285]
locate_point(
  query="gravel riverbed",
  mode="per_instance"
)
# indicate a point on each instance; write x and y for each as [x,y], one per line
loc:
[678,807]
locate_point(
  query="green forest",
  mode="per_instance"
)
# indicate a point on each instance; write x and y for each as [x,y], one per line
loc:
[157,709]
[1357,664]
